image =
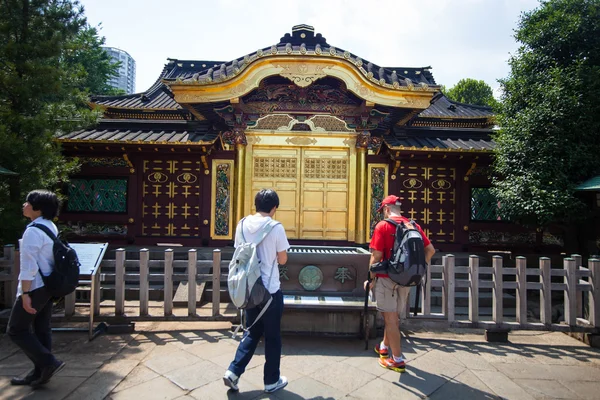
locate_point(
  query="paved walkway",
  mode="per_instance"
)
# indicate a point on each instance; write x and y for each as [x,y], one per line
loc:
[169,360]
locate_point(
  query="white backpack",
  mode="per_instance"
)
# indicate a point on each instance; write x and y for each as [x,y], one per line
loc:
[246,288]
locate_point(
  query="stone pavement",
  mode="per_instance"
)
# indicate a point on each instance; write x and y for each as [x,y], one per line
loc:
[168,360]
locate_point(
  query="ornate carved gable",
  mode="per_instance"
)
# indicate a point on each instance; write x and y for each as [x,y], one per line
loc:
[328,95]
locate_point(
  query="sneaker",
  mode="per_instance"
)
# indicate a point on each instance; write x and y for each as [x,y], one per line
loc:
[389,363]
[383,353]
[280,384]
[231,380]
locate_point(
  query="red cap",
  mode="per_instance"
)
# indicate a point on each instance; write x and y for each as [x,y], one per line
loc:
[391,199]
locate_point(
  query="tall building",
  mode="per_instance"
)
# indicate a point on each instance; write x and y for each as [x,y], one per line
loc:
[126,78]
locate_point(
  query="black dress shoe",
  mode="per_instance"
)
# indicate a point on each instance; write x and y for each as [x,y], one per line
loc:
[26,380]
[47,373]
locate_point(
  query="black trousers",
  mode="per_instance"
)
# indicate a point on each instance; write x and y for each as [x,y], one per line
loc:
[32,332]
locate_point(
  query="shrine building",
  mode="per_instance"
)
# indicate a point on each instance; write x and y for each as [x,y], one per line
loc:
[331,132]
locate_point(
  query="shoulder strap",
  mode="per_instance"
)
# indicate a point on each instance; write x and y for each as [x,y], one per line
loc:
[267,229]
[46,230]
[391,221]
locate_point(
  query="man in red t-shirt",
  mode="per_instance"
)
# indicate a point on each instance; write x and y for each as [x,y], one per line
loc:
[391,298]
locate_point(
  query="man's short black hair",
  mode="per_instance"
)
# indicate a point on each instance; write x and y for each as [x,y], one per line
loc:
[44,201]
[265,200]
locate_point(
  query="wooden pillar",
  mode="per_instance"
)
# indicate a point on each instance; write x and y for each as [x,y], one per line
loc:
[144,284]
[216,283]
[361,195]
[571,292]
[120,282]
[545,292]
[594,266]
[497,292]
[521,290]
[192,262]
[448,287]
[578,264]
[168,282]
[473,288]
[240,175]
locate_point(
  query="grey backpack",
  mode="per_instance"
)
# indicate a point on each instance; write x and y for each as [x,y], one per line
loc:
[246,288]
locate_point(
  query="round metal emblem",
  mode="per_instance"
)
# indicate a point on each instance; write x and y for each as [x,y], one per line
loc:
[310,277]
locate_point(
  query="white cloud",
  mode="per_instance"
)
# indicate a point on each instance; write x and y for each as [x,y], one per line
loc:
[459,39]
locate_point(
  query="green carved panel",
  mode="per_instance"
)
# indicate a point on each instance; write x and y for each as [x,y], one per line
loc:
[98,195]
[484,205]
[223,200]
[377,195]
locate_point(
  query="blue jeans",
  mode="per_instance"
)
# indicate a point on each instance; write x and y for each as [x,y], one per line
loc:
[270,326]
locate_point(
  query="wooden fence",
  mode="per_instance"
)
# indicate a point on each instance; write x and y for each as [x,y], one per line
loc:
[576,279]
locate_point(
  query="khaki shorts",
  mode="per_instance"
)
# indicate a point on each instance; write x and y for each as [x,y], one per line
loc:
[390,296]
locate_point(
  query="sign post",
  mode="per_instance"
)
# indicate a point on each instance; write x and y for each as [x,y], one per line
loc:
[90,256]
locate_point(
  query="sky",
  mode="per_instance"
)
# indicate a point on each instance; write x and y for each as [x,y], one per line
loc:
[457,38]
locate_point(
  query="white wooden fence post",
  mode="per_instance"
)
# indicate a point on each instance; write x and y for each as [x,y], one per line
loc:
[144,283]
[521,290]
[497,297]
[427,298]
[594,266]
[70,304]
[473,288]
[192,260]
[449,286]
[571,292]
[216,283]
[546,292]
[168,289]
[578,263]
[120,282]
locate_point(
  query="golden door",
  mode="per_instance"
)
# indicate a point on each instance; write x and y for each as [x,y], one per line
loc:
[313,189]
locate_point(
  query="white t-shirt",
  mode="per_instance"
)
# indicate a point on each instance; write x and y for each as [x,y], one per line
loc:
[267,250]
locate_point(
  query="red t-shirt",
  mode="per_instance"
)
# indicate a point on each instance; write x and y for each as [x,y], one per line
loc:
[384,235]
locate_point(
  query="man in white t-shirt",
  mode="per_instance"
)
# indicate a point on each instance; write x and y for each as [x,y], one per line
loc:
[271,252]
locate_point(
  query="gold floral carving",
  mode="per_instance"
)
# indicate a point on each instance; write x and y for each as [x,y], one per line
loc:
[441,184]
[301,140]
[186,177]
[303,74]
[412,183]
[191,98]
[157,177]
[253,139]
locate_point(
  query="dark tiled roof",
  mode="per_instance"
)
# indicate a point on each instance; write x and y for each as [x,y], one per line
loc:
[443,107]
[123,131]
[441,139]
[158,96]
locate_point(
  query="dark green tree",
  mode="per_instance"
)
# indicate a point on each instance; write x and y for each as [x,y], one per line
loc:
[550,113]
[472,91]
[46,47]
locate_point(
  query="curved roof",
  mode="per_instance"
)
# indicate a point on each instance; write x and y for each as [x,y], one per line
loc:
[304,41]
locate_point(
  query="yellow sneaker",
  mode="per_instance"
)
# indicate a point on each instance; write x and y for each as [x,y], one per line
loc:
[383,353]
[389,363]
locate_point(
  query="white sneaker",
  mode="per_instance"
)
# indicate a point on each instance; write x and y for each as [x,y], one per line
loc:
[231,380]
[280,384]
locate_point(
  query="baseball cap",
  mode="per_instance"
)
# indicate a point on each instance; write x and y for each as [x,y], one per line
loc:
[391,199]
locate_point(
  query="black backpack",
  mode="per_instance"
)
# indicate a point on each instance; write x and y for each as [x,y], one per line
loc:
[406,265]
[64,278]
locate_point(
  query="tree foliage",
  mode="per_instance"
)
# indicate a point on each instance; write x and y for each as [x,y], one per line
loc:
[472,91]
[550,113]
[48,55]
